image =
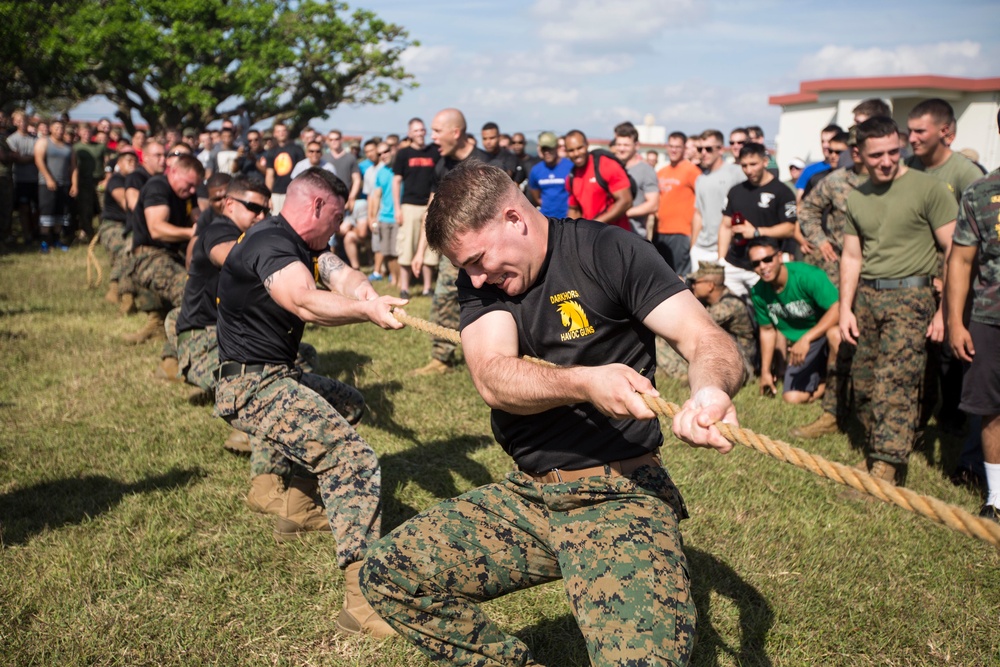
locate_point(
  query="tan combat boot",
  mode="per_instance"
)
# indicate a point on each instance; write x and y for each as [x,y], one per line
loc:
[825,425]
[168,370]
[267,494]
[435,367]
[152,330]
[302,512]
[238,442]
[126,304]
[357,615]
[883,470]
[112,294]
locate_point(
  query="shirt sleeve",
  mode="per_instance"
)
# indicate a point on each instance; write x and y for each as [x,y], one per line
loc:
[614,175]
[786,204]
[966,229]
[941,206]
[272,253]
[156,193]
[760,312]
[474,303]
[220,231]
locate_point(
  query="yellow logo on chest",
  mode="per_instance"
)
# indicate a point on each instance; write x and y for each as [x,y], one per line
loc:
[575,320]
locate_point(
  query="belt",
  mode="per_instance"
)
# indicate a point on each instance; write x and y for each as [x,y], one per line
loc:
[230,369]
[613,469]
[897,283]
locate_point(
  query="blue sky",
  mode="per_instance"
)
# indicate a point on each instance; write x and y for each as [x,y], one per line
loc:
[533,65]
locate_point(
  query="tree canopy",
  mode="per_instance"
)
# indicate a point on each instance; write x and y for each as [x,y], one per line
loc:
[186,62]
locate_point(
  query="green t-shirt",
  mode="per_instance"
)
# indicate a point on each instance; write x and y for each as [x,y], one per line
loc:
[808,294]
[896,222]
[958,172]
[89,162]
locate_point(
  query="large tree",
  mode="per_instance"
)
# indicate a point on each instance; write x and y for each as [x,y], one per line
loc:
[186,62]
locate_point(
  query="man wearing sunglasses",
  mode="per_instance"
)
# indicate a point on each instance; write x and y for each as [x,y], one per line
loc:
[799,301]
[710,197]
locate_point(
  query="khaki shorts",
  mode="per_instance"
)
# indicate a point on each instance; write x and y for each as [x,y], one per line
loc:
[409,236]
[277,203]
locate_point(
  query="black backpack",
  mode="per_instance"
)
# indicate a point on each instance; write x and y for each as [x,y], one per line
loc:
[600,154]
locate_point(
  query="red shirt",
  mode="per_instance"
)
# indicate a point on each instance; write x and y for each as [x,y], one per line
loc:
[587,195]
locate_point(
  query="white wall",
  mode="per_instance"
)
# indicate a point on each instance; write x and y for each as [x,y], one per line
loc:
[977,127]
[798,133]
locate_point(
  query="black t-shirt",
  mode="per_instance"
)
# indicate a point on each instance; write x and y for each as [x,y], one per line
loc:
[503,159]
[447,163]
[417,169]
[283,159]
[763,206]
[247,166]
[252,327]
[112,211]
[134,181]
[586,308]
[157,192]
[198,309]
[523,168]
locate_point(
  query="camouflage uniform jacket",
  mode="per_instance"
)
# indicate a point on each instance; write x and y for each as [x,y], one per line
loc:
[978,225]
[732,315]
[829,196]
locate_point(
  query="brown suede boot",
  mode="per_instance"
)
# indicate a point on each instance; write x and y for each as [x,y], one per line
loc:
[435,367]
[267,494]
[883,470]
[238,442]
[302,512]
[825,425]
[357,615]
[126,304]
[152,330]
[112,294]
[168,370]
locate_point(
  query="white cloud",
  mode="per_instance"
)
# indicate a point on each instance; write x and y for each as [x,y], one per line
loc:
[960,58]
[612,22]
[496,98]
[419,60]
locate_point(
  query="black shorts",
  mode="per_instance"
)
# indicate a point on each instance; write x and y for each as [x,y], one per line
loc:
[808,375]
[26,193]
[981,386]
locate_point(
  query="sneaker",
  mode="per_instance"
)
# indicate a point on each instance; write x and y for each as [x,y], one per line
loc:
[45,248]
[62,246]
[990,512]
[375,277]
[404,294]
[427,293]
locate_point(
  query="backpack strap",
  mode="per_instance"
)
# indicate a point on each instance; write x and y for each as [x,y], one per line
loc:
[598,176]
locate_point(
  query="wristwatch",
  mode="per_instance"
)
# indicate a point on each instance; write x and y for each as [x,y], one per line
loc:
[756,233]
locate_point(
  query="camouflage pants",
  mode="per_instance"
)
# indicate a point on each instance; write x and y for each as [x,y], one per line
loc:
[614,542]
[889,364]
[112,236]
[444,310]
[161,272]
[837,399]
[308,419]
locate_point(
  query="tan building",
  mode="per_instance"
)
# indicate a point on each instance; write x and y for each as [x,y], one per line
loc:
[822,102]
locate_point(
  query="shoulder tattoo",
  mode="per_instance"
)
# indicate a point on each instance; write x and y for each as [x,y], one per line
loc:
[268,282]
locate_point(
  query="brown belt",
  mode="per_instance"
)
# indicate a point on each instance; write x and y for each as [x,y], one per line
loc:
[613,469]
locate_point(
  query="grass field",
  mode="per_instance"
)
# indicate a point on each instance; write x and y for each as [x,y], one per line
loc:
[125,540]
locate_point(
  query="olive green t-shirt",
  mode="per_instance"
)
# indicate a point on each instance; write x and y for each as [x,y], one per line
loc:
[958,172]
[895,223]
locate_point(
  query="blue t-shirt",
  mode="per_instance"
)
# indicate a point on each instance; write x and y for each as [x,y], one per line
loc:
[809,172]
[551,181]
[383,181]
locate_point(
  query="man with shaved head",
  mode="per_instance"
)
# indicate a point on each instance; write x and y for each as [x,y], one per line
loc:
[266,294]
[448,130]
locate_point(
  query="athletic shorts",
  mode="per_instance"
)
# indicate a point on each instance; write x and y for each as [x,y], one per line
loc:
[53,205]
[409,236]
[808,375]
[26,193]
[981,386]
[388,236]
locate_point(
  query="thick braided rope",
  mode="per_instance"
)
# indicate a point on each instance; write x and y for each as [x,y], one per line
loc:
[951,516]
[92,259]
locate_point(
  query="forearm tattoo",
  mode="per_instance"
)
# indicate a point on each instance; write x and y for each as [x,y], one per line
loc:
[329,265]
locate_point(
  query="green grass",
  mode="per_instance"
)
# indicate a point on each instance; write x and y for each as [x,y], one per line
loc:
[126,541]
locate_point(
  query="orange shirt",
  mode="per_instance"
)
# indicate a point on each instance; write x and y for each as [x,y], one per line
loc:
[676,198]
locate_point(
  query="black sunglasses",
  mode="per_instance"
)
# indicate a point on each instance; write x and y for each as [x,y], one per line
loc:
[763,260]
[253,207]
[219,198]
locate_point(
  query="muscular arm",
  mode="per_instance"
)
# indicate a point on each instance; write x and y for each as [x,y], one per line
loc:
[960,264]
[43,169]
[725,235]
[340,278]
[397,187]
[768,336]
[943,234]
[269,178]
[294,289]
[160,228]
[696,224]
[811,215]
[131,197]
[218,254]
[850,273]
[355,189]
[648,207]
[118,194]
[622,202]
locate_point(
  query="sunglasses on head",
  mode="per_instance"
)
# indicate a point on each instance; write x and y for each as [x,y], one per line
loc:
[253,207]
[763,260]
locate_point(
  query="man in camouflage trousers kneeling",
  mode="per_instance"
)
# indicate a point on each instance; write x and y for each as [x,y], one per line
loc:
[590,502]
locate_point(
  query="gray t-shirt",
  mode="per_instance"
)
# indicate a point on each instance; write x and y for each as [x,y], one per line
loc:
[344,166]
[23,144]
[710,198]
[646,186]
